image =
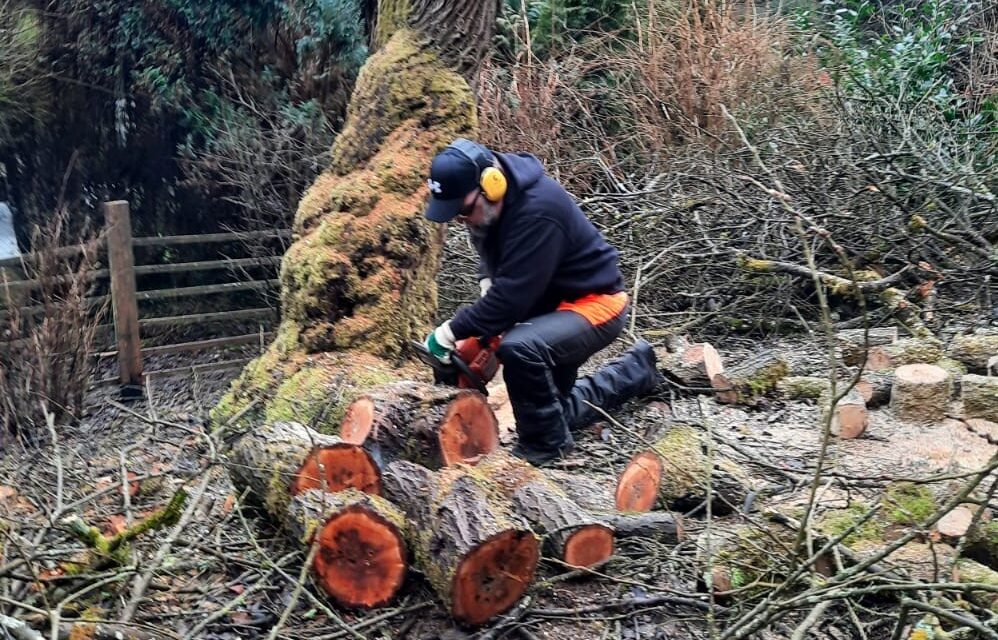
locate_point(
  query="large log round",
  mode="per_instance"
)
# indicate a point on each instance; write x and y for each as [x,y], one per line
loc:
[920,392]
[980,397]
[571,534]
[430,425]
[478,555]
[675,472]
[361,559]
[278,460]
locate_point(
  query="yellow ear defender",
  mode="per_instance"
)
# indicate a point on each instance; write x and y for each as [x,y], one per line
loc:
[491,180]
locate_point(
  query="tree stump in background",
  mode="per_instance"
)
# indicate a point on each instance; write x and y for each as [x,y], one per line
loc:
[571,534]
[980,397]
[746,381]
[675,473]
[279,460]
[921,392]
[430,425]
[478,555]
[361,559]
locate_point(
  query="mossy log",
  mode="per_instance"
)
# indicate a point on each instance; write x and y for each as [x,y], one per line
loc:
[875,387]
[675,472]
[694,366]
[361,556]
[849,416]
[966,570]
[476,552]
[904,351]
[430,425]
[596,495]
[570,533]
[741,557]
[746,381]
[282,459]
[980,397]
[853,343]
[802,387]
[921,392]
[974,350]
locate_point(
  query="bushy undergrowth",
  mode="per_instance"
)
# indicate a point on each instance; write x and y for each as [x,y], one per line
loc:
[47,332]
[715,131]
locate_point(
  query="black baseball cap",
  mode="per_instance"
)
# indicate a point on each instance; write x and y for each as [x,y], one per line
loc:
[453,175]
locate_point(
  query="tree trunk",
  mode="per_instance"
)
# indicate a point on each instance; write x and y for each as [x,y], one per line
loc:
[359,280]
[279,460]
[361,559]
[572,535]
[430,425]
[478,555]
[746,381]
[675,473]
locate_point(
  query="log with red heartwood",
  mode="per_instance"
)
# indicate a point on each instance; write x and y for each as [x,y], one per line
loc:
[361,556]
[430,425]
[674,473]
[849,416]
[278,460]
[476,552]
[571,534]
[693,367]
[595,495]
[746,381]
[921,392]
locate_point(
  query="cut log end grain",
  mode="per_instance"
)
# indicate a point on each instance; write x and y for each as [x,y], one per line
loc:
[361,558]
[336,468]
[357,421]
[469,431]
[491,578]
[955,524]
[920,392]
[637,488]
[589,545]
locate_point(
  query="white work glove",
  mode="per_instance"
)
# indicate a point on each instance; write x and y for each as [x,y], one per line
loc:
[441,342]
[484,285]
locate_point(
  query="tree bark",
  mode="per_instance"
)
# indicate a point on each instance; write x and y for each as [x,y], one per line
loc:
[361,556]
[430,425]
[478,555]
[694,366]
[980,397]
[746,381]
[974,350]
[279,460]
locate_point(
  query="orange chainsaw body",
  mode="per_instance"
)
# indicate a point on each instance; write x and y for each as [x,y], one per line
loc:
[480,356]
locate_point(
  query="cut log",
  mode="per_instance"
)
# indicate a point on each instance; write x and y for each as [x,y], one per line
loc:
[974,350]
[980,397]
[968,571]
[430,425]
[921,392]
[478,555]
[361,559]
[737,557]
[571,534]
[747,381]
[955,525]
[674,473]
[281,459]
[693,367]
[849,417]
[875,387]
[904,351]
[852,345]
[595,495]
[802,387]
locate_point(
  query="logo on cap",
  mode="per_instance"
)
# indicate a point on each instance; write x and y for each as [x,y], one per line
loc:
[433,185]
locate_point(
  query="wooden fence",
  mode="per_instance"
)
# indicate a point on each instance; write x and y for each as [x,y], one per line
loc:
[125,298]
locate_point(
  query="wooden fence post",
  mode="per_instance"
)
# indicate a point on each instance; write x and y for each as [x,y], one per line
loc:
[121,263]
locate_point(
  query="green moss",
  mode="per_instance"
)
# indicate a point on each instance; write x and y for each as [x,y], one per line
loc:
[909,503]
[954,367]
[767,378]
[835,522]
[305,397]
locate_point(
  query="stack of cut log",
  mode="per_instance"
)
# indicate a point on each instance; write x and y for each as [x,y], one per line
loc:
[415,475]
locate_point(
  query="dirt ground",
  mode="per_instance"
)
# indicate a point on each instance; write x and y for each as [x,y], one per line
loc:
[225,571]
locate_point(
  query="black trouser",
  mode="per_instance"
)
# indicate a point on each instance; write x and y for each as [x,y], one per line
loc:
[541,358]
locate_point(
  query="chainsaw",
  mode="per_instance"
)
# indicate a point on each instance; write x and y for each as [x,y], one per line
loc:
[473,363]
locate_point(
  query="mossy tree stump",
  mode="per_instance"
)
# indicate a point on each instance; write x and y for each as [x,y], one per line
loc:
[430,425]
[280,460]
[571,533]
[674,472]
[359,279]
[475,551]
[921,392]
[361,556]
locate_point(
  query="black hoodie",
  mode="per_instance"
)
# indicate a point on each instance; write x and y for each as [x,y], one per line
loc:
[540,252]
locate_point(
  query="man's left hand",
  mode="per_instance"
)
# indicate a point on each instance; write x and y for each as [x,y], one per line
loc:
[441,342]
